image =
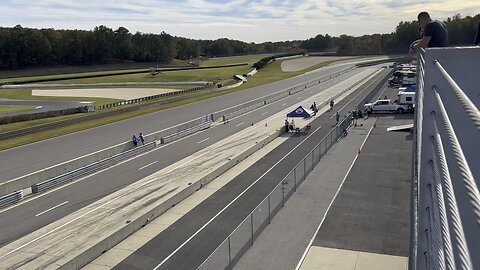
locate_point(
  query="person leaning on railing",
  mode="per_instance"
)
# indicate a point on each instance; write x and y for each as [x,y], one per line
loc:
[435,33]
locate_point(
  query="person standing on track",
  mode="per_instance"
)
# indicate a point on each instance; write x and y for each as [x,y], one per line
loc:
[134,140]
[141,138]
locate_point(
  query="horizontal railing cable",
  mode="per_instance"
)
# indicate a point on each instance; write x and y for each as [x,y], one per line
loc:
[464,100]
[464,254]
[449,261]
[467,176]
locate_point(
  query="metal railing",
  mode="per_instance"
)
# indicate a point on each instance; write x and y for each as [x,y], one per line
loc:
[238,242]
[11,198]
[445,231]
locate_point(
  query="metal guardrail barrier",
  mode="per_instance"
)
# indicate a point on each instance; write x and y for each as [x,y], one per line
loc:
[237,243]
[91,168]
[445,231]
[11,198]
[185,132]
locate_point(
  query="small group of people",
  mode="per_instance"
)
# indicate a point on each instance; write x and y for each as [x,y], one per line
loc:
[136,139]
[289,126]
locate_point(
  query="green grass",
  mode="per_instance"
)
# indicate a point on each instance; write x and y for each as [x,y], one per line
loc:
[232,60]
[14,108]
[272,72]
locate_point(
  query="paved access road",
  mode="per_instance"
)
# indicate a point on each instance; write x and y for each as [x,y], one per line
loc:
[32,215]
[25,159]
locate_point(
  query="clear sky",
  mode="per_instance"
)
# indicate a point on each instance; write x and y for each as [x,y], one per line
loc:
[246,20]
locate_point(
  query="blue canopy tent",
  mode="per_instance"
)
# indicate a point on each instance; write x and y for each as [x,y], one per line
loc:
[301,112]
[411,88]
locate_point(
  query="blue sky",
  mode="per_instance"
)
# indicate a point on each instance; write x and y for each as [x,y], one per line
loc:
[246,20]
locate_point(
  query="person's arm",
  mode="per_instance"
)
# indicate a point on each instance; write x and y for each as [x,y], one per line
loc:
[423,43]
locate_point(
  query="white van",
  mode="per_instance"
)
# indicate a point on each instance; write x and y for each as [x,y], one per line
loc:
[406,97]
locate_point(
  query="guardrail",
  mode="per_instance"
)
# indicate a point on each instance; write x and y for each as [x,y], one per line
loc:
[185,132]
[91,168]
[445,221]
[27,181]
[227,254]
[11,198]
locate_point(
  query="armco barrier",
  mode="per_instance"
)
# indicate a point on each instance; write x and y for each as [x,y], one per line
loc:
[11,198]
[242,111]
[185,132]
[91,168]
[29,180]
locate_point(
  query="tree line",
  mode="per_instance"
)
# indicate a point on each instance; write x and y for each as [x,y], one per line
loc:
[25,47]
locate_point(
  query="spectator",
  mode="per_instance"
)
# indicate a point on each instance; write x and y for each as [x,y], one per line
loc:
[434,33]
[141,138]
[337,116]
[134,140]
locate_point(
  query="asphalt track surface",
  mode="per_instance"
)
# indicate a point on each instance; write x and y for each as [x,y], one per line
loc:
[371,211]
[23,160]
[46,105]
[24,218]
[194,252]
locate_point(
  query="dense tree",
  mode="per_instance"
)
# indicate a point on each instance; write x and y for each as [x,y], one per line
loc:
[23,47]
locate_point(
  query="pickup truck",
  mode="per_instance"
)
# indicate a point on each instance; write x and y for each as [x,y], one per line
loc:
[386,105]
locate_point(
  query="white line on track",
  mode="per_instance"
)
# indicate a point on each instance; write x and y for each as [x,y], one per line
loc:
[149,164]
[299,97]
[50,209]
[204,140]
[284,104]
[264,113]
[240,124]
[330,205]
[233,201]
